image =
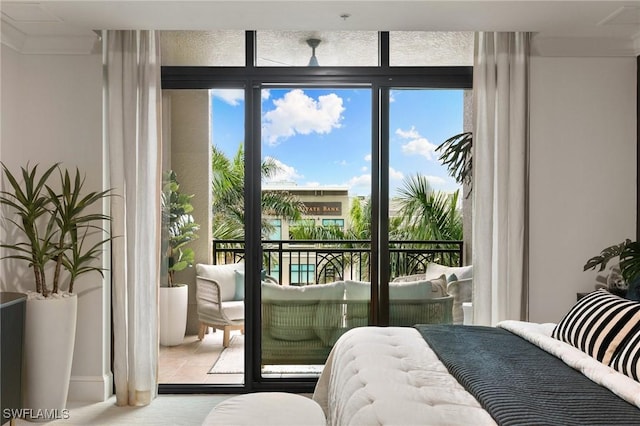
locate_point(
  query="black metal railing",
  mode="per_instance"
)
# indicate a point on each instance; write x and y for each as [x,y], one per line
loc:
[301,262]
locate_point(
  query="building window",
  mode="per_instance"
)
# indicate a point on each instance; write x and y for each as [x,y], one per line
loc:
[333,222]
[276,232]
[303,274]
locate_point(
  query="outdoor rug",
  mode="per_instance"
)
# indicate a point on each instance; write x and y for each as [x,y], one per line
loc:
[231,361]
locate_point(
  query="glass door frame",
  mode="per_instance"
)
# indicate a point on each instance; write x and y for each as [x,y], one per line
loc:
[381,80]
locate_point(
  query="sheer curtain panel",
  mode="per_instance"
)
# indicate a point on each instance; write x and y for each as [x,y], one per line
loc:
[500,186]
[133,105]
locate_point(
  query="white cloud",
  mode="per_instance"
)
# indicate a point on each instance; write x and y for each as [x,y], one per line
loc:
[417,144]
[364,168]
[412,133]
[341,162]
[395,174]
[266,94]
[313,184]
[231,96]
[367,158]
[362,181]
[436,180]
[285,173]
[297,113]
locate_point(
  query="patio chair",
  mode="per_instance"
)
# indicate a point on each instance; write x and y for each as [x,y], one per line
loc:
[220,298]
[220,303]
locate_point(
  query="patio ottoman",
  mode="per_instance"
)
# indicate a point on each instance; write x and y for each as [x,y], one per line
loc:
[266,408]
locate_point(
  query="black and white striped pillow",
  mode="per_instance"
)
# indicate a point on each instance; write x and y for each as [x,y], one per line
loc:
[627,358]
[598,324]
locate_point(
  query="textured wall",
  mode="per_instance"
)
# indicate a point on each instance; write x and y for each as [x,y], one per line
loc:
[190,154]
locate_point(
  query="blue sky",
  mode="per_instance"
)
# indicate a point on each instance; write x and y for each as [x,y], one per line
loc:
[322,137]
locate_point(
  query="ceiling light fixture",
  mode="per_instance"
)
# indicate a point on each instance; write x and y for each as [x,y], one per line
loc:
[313,43]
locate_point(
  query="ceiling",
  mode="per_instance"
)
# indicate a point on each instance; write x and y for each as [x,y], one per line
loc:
[612,26]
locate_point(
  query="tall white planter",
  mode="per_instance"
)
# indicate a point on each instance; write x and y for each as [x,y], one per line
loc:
[173,314]
[50,331]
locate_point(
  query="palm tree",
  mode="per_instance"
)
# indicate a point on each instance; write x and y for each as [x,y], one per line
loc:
[360,219]
[227,183]
[427,214]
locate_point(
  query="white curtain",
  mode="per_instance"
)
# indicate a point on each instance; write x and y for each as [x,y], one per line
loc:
[133,106]
[500,170]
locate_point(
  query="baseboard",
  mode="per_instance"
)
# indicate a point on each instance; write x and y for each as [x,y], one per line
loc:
[90,388]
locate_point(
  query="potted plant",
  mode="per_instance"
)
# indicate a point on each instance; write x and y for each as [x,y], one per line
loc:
[52,223]
[628,254]
[180,229]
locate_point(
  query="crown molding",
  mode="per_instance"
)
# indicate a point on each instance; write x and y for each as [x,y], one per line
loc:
[586,46]
[46,45]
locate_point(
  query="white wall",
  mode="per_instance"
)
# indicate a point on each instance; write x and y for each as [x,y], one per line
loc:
[583,173]
[52,112]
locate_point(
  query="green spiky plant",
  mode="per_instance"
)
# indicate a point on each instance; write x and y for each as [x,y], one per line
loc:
[180,226]
[628,253]
[54,221]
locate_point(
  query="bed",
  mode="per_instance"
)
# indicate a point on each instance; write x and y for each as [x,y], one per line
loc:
[513,374]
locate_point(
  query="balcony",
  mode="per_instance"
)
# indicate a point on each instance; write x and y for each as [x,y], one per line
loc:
[297,263]
[302,262]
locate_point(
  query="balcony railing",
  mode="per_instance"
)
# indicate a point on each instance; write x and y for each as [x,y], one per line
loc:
[301,262]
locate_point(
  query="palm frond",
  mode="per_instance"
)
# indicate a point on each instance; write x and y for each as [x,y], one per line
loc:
[456,156]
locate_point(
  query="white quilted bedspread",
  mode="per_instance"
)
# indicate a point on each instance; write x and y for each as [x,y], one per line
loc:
[390,376]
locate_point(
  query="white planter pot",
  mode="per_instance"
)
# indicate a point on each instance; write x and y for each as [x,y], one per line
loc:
[173,314]
[50,332]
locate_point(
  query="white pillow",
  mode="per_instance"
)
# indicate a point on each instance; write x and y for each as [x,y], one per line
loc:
[357,290]
[406,278]
[423,289]
[462,291]
[224,275]
[434,270]
[316,292]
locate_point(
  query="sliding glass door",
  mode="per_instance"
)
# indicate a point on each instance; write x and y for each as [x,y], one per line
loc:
[334,174]
[316,236]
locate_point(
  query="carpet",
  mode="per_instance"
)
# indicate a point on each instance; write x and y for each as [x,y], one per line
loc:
[231,361]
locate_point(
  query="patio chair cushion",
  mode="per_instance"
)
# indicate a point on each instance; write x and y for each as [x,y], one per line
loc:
[234,309]
[358,292]
[462,291]
[422,289]
[407,278]
[239,293]
[224,275]
[434,270]
[294,310]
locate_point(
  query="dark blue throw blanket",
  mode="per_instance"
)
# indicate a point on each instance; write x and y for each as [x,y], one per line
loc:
[521,384]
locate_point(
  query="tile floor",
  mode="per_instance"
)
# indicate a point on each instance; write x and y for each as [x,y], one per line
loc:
[190,361]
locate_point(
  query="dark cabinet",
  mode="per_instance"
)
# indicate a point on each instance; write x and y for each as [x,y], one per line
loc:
[12,312]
